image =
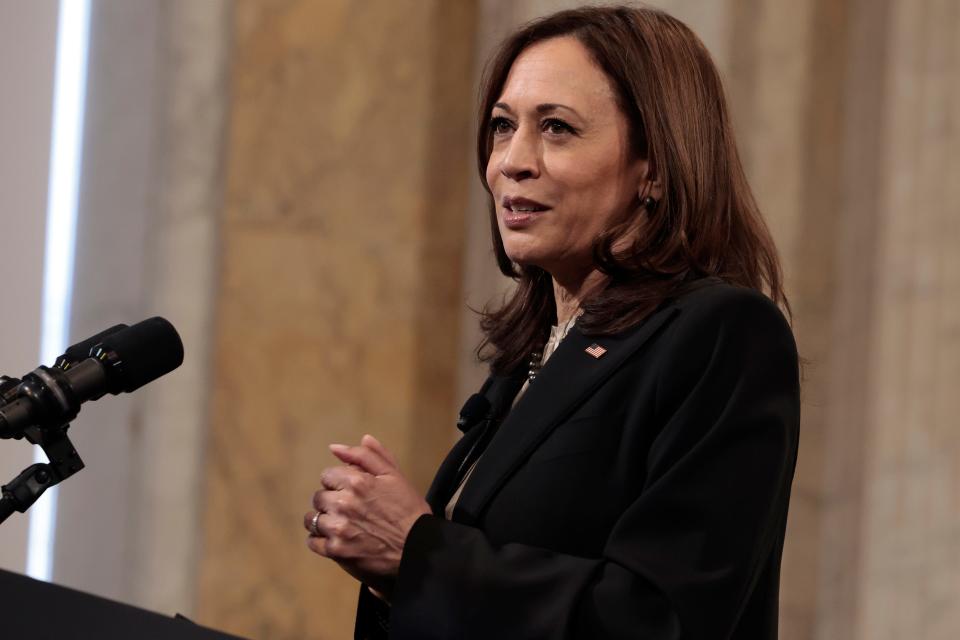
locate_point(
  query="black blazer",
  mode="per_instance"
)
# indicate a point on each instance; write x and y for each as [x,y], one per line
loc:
[641,494]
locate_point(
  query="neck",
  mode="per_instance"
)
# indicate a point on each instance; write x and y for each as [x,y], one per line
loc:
[569,292]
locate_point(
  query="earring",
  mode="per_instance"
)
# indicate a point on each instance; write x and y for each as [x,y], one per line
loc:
[649,203]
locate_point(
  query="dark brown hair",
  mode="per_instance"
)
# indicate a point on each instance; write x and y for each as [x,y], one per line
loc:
[706,224]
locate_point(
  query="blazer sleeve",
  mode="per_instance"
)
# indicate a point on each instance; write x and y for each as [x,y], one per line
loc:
[683,558]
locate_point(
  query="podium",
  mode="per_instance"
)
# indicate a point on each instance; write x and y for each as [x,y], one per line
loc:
[42,611]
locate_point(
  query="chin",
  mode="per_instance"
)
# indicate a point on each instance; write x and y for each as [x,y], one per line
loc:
[524,256]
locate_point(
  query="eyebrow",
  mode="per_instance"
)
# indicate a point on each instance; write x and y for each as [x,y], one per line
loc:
[546,107]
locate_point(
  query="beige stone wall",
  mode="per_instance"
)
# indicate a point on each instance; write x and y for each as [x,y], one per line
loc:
[338,308]
[909,579]
[859,194]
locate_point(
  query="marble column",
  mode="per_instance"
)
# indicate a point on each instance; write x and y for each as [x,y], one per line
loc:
[909,579]
[340,284]
[784,86]
[181,275]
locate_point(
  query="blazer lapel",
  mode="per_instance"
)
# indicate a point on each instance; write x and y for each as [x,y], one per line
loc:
[500,391]
[565,381]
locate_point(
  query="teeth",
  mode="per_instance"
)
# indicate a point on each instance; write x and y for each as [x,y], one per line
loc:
[526,208]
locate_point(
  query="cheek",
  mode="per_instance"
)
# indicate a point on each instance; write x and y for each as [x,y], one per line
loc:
[588,205]
[597,198]
[491,173]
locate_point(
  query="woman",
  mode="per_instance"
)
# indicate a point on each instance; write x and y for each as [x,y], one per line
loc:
[631,478]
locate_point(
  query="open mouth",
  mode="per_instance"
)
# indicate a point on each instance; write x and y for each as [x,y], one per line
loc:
[523,205]
[525,209]
[520,213]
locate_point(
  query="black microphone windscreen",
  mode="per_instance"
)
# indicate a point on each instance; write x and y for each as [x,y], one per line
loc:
[146,350]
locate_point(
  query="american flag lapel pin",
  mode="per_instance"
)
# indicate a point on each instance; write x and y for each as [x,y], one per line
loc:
[595,350]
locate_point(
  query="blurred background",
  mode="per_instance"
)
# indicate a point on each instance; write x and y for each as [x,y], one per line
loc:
[292,184]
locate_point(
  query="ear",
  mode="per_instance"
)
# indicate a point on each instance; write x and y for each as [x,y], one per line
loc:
[649,184]
[651,188]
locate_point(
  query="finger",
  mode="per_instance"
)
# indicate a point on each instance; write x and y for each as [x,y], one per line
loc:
[322,500]
[333,549]
[318,546]
[336,502]
[337,478]
[325,499]
[363,457]
[330,526]
[308,522]
[372,443]
[335,532]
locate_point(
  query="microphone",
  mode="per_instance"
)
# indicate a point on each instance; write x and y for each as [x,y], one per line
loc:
[81,351]
[474,410]
[118,360]
[73,354]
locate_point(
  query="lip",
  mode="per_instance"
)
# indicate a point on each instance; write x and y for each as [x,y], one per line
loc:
[521,219]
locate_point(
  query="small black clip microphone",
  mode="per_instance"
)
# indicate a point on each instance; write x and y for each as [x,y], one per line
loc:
[474,410]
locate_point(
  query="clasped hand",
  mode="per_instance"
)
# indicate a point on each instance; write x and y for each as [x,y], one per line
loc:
[364,513]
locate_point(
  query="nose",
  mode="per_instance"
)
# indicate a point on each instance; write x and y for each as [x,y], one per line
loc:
[521,158]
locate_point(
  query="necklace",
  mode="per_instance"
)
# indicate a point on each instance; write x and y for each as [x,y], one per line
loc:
[539,357]
[536,362]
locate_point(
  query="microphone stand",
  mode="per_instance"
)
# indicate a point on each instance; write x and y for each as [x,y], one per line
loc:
[20,493]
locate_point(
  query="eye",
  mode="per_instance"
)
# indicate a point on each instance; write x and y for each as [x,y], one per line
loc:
[499,126]
[556,127]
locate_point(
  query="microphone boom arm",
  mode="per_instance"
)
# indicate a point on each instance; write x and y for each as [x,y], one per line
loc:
[20,493]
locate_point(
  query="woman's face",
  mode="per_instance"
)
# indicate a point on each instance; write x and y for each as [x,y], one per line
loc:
[560,170]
